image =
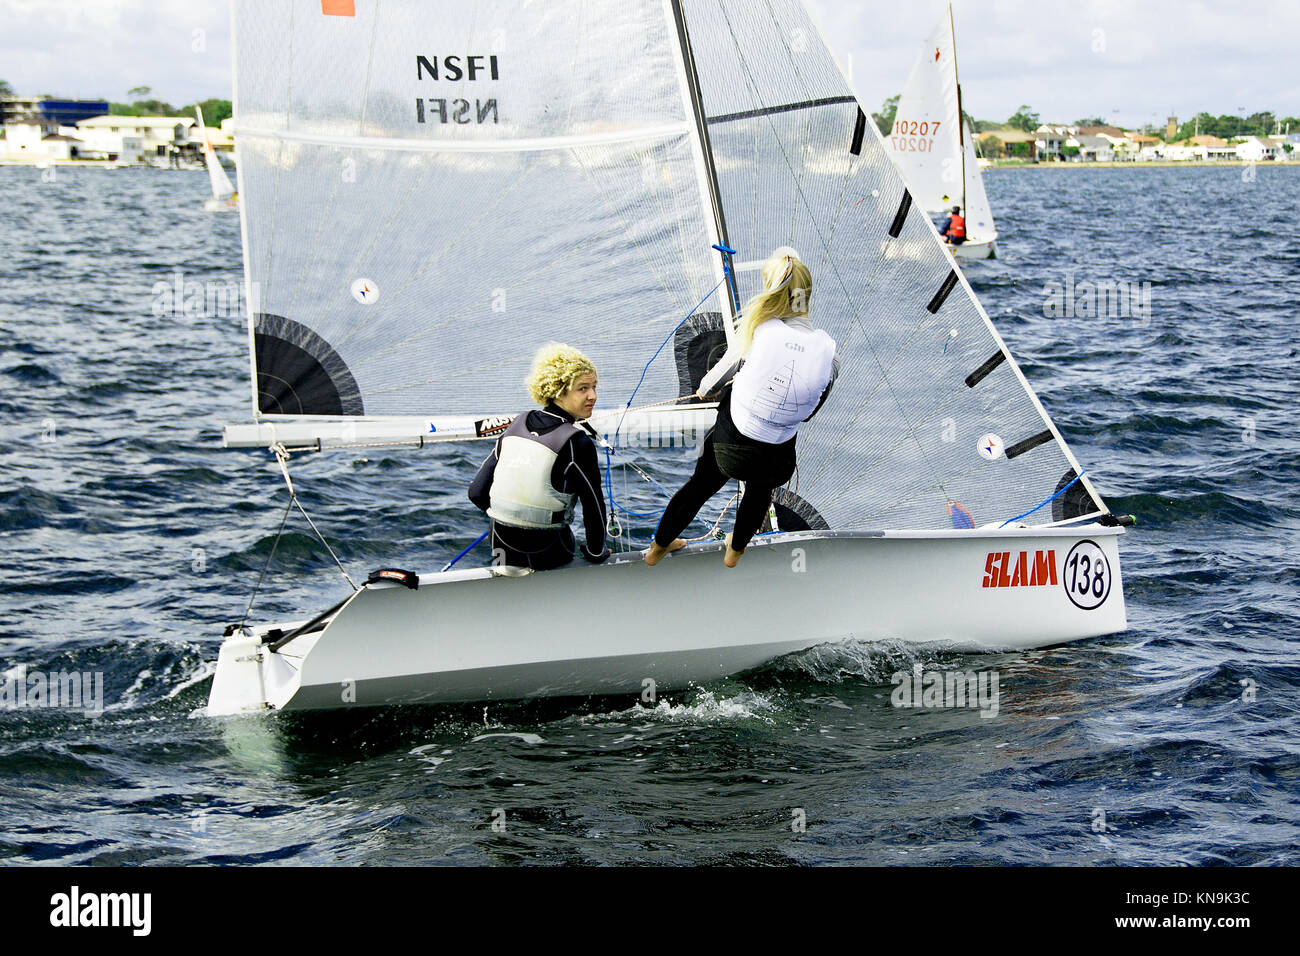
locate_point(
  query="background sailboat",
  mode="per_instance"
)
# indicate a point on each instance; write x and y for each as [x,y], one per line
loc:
[452,191]
[934,146]
[223,194]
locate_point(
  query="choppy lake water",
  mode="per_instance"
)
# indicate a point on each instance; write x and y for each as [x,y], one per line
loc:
[130,537]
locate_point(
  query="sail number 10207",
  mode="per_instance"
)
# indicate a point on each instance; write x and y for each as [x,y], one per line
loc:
[914,136]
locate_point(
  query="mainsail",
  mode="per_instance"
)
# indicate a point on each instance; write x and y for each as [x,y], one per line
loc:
[427,198]
[221,188]
[430,195]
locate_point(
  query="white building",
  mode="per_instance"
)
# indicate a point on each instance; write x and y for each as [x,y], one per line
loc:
[1092,149]
[39,141]
[1254,150]
[156,139]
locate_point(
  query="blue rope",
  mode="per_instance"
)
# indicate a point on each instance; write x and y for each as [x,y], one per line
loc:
[609,490]
[1047,501]
[447,566]
[656,355]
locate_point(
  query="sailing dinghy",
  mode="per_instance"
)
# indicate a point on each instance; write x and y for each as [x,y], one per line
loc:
[428,198]
[934,146]
[223,197]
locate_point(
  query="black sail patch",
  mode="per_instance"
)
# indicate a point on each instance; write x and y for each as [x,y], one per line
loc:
[299,373]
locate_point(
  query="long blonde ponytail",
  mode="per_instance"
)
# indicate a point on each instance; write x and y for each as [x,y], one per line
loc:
[787,291]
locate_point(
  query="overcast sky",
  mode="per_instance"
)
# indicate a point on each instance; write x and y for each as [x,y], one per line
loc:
[1130,61]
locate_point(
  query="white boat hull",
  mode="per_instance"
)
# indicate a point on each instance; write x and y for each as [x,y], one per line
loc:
[221,205]
[499,634]
[976,249]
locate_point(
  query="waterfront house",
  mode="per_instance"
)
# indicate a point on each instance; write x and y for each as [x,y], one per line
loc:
[1092,149]
[1049,140]
[1014,144]
[1254,149]
[161,139]
[39,140]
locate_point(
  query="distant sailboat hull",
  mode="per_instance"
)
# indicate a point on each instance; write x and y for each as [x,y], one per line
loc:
[976,249]
[620,628]
[228,204]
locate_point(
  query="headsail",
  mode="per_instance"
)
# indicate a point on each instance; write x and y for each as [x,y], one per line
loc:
[926,138]
[221,188]
[929,407]
[979,215]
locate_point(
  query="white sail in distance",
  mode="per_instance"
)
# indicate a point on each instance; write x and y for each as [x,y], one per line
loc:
[979,215]
[926,137]
[221,188]
[451,192]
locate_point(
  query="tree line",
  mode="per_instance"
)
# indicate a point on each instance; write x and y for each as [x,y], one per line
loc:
[1026,119]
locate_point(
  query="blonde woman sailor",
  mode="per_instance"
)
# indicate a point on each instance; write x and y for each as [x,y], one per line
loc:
[541,465]
[787,373]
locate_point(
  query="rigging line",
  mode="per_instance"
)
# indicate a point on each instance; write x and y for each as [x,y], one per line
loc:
[1045,501]
[324,542]
[370,59]
[282,459]
[926,320]
[253,597]
[466,550]
[628,406]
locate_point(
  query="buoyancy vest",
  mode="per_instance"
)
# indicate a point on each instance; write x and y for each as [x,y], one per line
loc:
[957,228]
[522,494]
[785,372]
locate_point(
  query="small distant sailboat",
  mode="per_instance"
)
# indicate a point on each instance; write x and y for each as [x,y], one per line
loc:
[224,198]
[934,147]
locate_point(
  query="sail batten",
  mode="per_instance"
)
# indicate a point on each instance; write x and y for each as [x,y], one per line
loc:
[631,135]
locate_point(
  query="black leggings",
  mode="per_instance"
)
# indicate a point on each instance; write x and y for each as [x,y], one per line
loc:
[763,468]
[538,548]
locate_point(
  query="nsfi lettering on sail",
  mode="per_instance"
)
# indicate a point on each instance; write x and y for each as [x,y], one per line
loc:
[456,69]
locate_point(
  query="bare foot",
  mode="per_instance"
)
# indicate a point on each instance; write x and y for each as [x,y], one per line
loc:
[654,554]
[732,557]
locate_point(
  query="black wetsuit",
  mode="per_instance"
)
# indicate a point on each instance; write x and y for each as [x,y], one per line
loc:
[576,471]
[727,453]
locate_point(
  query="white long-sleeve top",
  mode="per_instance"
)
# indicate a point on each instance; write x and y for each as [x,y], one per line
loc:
[717,375]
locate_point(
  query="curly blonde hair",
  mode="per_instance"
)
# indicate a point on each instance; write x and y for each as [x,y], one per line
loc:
[555,368]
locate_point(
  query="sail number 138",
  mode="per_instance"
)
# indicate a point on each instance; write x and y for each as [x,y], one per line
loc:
[1086,575]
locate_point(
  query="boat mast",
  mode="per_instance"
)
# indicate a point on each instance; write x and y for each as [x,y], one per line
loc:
[704,154]
[961,122]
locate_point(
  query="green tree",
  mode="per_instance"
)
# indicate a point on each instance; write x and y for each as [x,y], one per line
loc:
[885,118]
[214,110]
[990,147]
[1091,121]
[1024,119]
[6,89]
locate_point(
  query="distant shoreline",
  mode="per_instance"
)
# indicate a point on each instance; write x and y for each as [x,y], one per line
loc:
[1157,164]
